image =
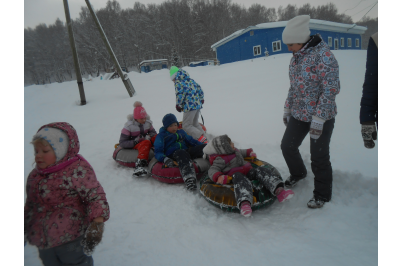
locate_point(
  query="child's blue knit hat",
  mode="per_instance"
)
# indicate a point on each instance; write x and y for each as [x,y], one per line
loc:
[169,119]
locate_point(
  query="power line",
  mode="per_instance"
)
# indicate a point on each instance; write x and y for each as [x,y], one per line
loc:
[354,6]
[368,12]
[364,9]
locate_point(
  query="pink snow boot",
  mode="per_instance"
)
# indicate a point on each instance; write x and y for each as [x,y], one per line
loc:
[246,209]
[284,195]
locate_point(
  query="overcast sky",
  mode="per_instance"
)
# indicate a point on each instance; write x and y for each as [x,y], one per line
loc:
[47,11]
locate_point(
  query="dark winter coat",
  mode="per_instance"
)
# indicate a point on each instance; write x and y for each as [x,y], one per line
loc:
[64,198]
[189,94]
[134,132]
[167,143]
[314,82]
[369,101]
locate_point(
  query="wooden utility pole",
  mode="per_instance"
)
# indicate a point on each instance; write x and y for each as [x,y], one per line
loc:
[126,81]
[74,54]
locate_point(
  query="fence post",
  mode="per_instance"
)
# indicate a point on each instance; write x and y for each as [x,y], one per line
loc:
[125,79]
[74,54]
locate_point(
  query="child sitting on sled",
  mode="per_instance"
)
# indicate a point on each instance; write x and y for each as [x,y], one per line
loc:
[228,165]
[173,144]
[138,133]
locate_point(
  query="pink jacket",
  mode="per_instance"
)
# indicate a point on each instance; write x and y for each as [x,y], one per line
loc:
[64,198]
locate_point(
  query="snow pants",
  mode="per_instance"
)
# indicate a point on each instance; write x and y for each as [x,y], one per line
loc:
[70,253]
[294,134]
[183,158]
[143,148]
[269,177]
[191,125]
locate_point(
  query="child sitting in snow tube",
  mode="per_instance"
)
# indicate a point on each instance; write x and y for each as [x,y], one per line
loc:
[228,166]
[175,147]
[138,134]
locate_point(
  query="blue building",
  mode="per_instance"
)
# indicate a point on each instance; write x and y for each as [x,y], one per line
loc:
[266,39]
[149,65]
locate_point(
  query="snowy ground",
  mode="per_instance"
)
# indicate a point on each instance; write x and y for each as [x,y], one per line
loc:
[159,224]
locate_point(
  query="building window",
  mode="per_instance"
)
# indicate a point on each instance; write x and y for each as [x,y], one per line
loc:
[330,42]
[276,46]
[251,33]
[356,42]
[256,50]
[342,42]
[335,44]
[349,40]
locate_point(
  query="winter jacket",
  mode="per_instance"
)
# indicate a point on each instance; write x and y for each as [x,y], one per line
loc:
[314,82]
[369,100]
[63,198]
[167,143]
[134,132]
[228,164]
[225,160]
[189,94]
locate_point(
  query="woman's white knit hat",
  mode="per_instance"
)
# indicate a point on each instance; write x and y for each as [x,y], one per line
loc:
[297,30]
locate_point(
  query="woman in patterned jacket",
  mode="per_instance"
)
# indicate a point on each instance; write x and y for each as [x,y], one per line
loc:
[66,206]
[310,107]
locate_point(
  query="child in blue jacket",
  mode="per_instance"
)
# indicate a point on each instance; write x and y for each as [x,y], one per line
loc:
[173,144]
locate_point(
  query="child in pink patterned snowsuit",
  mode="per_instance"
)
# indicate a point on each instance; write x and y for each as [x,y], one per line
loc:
[66,206]
[228,165]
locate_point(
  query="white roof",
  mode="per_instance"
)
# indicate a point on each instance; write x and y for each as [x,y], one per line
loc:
[154,60]
[315,24]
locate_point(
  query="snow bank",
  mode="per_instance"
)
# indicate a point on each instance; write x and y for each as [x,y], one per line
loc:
[153,223]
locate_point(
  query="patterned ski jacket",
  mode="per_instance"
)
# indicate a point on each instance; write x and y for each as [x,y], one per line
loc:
[134,132]
[314,80]
[167,143]
[189,94]
[63,198]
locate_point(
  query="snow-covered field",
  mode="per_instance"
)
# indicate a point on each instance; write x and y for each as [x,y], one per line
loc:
[153,223]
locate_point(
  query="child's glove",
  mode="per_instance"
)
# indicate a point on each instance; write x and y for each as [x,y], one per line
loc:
[169,162]
[148,137]
[222,179]
[253,155]
[92,237]
[286,116]
[316,128]
[178,108]
[369,134]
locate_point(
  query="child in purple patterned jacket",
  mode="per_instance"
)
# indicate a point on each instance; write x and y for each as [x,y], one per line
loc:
[66,206]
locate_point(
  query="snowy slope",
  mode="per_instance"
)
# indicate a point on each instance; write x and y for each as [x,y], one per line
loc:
[159,224]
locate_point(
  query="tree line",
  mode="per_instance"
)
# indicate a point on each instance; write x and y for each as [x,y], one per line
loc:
[153,31]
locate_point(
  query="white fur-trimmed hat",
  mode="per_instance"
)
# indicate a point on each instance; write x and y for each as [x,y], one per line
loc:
[297,30]
[56,138]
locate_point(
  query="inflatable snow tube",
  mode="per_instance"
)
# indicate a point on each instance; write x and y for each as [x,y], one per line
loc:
[223,197]
[128,157]
[173,175]
[203,127]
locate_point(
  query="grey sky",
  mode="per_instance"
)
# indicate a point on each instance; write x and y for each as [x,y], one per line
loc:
[47,11]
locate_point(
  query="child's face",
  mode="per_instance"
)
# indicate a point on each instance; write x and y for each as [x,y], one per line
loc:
[232,145]
[142,120]
[44,155]
[173,128]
